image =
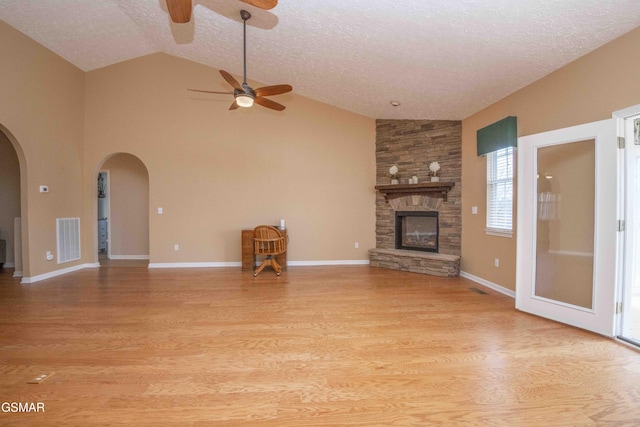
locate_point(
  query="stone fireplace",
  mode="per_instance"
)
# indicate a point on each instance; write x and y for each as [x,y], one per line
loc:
[412,145]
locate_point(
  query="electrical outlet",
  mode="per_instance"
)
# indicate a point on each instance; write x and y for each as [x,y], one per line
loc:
[474,210]
[357,245]
[176,247]
[159,211]
[496,262]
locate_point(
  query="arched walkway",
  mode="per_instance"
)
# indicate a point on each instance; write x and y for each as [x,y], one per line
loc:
[123,211]
[13,209]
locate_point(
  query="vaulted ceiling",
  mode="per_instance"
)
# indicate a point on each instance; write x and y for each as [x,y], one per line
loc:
[441,59]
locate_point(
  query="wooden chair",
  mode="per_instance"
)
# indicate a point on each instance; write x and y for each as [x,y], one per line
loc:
[268,241]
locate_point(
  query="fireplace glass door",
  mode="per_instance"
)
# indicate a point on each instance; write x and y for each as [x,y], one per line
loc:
[417,231]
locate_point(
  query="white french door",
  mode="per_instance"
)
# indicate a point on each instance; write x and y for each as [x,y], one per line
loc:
[567,225]
[628,121]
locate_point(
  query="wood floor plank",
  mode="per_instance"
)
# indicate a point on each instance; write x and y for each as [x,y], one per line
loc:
[317,346]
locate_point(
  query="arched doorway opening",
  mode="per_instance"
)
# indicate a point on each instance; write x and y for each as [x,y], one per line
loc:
[122,196]
[13,229]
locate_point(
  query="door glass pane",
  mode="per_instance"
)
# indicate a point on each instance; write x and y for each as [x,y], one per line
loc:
[565,223]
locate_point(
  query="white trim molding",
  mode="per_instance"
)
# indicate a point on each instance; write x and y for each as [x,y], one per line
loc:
[239,264]
[64,271]
[328,262]
[56,273]
[129,257]
[194,264]
[488,284]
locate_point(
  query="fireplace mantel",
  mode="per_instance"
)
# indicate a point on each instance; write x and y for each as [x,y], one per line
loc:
[431,189]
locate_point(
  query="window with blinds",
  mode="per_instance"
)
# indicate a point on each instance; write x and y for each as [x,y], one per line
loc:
[500,191]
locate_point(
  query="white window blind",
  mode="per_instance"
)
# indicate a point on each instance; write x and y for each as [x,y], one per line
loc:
[500,191]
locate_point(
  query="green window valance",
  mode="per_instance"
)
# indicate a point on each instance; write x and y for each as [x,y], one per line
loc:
[501,134]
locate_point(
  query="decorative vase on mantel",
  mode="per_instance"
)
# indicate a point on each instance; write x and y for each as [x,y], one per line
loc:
[435,179]
[395,181]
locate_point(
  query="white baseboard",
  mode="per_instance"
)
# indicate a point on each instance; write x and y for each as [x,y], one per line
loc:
[239,264]
[488,284]
[194,264]
[63,271]
[129,257]
[8,265]
[328,262]
[56,273]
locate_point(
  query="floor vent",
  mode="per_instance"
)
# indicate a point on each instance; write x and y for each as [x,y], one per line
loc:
[478,291]
[68,232]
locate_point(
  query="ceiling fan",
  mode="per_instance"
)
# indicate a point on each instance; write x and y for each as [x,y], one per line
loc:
[180,10]
[244,94]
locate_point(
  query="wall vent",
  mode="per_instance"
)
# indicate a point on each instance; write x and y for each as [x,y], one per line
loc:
[68,232]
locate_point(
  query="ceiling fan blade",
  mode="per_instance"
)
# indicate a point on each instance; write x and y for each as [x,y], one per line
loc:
[179,10]
[229,78]
[234,106]
[269,103]
[262,4]
[273,90]
[210,91]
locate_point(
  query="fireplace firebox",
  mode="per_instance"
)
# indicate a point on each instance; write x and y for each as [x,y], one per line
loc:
[417,230]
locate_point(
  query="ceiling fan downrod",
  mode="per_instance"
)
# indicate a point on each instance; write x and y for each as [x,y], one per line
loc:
[245,15]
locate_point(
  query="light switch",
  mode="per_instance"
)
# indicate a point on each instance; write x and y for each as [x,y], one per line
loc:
[159,211]
[474,210]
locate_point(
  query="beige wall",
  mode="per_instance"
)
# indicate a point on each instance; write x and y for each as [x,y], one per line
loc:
[128,190]
[9,193]
[586,90]
[215,172]
[41,112]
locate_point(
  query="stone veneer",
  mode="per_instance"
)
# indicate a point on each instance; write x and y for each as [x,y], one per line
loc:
[412,145]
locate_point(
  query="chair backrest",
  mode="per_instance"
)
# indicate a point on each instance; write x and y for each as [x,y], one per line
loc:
[267,240]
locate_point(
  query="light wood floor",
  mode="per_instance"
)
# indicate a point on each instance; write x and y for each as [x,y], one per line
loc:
[319,346]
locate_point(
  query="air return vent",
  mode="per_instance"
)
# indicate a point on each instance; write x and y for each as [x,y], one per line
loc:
[68,231]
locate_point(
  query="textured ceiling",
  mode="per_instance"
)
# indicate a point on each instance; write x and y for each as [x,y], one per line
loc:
[441,59]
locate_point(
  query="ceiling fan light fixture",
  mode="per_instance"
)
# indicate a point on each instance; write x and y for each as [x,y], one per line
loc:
[244,100]
[244,95]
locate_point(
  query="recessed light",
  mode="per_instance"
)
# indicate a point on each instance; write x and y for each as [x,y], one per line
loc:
[395,103]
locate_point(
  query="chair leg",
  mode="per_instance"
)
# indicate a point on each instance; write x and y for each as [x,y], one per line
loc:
[259,269]
[276,266]
[269,261]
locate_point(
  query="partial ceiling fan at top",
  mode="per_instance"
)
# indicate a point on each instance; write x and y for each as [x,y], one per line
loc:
[180,10]
[244,94]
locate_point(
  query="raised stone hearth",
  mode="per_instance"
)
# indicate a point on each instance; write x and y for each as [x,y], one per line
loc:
[412,145]
[435,264]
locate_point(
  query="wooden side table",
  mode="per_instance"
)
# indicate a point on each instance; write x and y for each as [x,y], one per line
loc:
[249,257]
